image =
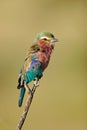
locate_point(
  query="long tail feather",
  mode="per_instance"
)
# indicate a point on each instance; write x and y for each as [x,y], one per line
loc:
[21,97]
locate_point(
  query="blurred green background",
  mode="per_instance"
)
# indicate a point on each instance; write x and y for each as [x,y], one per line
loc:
[60,103]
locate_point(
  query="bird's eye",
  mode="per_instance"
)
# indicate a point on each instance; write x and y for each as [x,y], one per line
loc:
[45,39]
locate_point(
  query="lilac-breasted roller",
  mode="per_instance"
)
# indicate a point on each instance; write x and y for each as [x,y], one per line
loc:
[36,61]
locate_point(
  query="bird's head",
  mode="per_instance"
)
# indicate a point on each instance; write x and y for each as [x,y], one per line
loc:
[46,37]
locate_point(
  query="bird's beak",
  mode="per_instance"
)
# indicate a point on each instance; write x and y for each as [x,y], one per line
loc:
[54,40]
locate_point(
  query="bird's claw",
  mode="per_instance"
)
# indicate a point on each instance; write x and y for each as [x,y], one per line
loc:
[36,83]
[29,91]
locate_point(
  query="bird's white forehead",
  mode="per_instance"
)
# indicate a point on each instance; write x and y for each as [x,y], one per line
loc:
[44,37]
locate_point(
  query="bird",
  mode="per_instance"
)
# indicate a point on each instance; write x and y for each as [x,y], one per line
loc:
[36,61]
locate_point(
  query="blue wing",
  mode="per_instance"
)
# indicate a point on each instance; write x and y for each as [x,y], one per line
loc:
[33,71]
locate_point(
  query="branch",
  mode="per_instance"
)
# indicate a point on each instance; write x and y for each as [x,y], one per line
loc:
[28,103]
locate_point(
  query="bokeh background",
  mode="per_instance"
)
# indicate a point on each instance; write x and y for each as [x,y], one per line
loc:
[60,103]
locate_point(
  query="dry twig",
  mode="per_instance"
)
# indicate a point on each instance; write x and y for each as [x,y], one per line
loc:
[28,103]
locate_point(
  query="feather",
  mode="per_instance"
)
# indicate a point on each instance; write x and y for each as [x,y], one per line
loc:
[36,61]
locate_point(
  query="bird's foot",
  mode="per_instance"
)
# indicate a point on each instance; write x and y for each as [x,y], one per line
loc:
[35,85]
[36,82]
[27,88]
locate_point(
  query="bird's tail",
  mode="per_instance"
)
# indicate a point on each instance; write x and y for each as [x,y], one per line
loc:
[21,97]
